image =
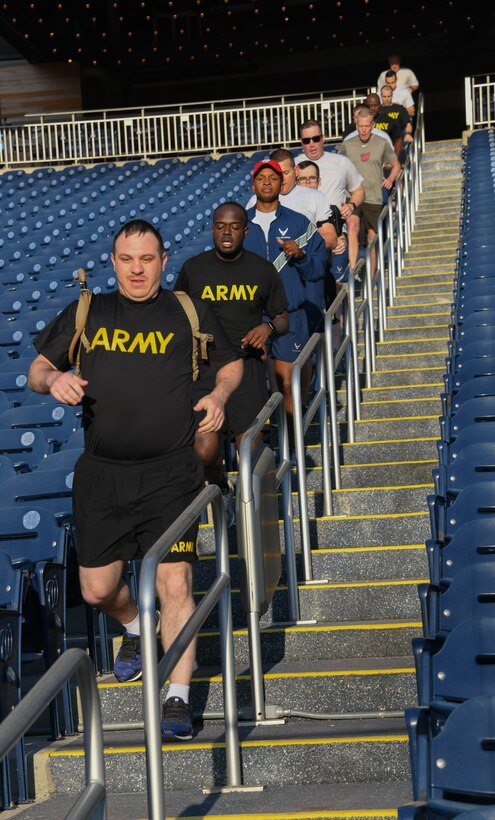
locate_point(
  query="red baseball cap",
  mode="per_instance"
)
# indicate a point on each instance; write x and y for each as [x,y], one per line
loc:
[267,163]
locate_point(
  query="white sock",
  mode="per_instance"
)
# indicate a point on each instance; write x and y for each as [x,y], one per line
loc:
[133,628]
[179,690]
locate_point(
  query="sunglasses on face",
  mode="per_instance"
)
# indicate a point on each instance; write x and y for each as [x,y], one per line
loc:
[307,140]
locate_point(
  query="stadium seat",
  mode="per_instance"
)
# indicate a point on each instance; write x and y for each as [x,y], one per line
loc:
[454,769]
[57,421]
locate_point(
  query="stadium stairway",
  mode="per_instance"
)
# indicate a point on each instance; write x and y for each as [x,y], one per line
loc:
[356,658]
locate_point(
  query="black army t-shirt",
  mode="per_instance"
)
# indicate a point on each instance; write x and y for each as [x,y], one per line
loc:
[138,401]
[240,292]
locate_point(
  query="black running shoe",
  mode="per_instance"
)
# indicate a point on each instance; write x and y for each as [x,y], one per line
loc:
[176,720]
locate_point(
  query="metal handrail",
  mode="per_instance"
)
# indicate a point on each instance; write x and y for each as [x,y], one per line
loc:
[92,801]
[274,404]
[155,675]
[315,345]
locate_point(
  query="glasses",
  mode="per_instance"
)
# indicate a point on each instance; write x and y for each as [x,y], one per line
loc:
[307,140]
[304,180]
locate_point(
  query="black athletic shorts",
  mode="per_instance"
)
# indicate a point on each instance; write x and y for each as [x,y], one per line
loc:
[122,507]
[245,402]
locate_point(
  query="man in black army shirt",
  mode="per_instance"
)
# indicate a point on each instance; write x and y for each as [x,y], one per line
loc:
[139,470]
[248,296]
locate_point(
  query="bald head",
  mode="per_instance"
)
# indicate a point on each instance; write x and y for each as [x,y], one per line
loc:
[373,102]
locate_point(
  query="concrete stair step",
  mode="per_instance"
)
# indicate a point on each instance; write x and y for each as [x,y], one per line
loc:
[443,146]
[399,427]
[438,331]
[337,563]
[319,642]
[337,601]
[400,318]
[387,499]
[354,476]
[311,752]
[384,361]
[417,285]
[371,529]
[428,390]
[438,216]
[406,375]
[317,801]
[417,309]
[383,408]
[415,300]
[425,278]
[417,344]
[345,686]
[360,600]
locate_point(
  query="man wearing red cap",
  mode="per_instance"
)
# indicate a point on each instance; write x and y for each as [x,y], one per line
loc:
[293,244]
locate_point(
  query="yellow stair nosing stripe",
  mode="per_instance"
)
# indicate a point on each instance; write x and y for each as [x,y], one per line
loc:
[393,418]
[387,463]
[411,355]
[370,516]
[338,673]
[366,584]
[389,441]
[410,341]
[187,747]
[315,628]
[331,814]
[411,399]
[401,386]
[408,369]
[386,488]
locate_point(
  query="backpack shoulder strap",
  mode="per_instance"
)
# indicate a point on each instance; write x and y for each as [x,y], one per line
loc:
[199,339]
[82,311]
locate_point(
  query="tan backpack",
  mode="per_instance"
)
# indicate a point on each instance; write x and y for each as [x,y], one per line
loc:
[199,339]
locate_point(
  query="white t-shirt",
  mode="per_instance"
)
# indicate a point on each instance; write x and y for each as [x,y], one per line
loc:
[307,201]
[339,176]
[402,96]
[264,220]
[405,79]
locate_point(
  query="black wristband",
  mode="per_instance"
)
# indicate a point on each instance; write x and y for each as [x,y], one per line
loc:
[273,329]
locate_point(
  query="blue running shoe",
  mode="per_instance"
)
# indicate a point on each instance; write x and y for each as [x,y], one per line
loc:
[176,720]
[128,665]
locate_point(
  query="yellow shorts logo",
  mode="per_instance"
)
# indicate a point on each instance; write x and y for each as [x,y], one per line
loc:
[183,546]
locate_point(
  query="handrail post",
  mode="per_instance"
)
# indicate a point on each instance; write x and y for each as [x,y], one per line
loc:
[152,681]
[92,801]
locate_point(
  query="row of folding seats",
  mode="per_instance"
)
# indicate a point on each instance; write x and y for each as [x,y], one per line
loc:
[451,732]
[74,227]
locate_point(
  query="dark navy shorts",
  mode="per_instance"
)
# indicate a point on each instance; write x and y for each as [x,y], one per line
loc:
[122,507]
[288,347]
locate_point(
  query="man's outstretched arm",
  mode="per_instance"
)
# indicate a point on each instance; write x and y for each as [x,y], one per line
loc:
[228,379]
[65,386]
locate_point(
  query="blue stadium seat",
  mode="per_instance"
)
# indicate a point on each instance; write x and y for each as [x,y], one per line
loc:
[454,769]
[57,421]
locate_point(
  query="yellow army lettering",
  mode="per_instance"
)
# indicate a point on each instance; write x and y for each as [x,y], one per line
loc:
[383,126]
[394,115]
[183,546]
[153,342]
[229,293]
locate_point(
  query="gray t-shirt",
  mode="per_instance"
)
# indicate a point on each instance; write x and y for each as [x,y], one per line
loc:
[339,177]
[370,157]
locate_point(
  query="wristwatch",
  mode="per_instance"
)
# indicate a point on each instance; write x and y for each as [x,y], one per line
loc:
[273,329]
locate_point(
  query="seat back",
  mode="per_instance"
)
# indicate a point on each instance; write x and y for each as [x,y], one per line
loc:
[49,489]
[462,756]
[57,421]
